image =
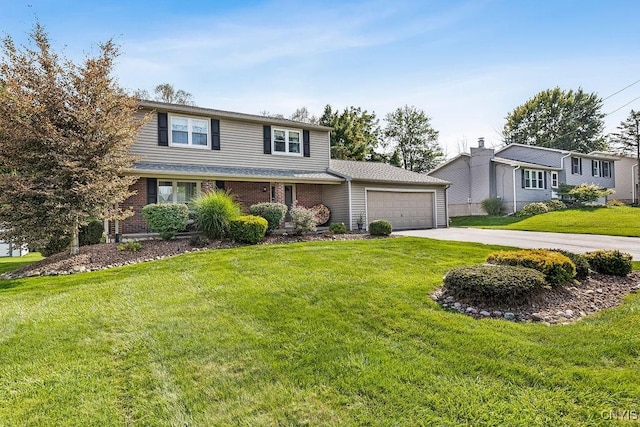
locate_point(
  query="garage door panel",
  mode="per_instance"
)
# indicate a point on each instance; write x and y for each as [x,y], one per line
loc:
[403,209]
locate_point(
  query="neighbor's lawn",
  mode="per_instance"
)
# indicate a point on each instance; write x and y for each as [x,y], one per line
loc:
[613,221]
[324,333]
[11,263]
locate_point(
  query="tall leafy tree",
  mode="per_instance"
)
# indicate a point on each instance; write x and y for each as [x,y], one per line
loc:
[302,115]
[409,134]
[355,134]
[628,139]
[66,132]
[555,118]
[165,92]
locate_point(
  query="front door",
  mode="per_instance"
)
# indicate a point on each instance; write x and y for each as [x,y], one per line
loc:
[289,198]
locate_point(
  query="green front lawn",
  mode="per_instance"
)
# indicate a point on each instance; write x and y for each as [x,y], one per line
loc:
[11,263]
[612,221]
[321,333]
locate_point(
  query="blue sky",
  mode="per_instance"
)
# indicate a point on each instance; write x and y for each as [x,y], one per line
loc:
[467,64]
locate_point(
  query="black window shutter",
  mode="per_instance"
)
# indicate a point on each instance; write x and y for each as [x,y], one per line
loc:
[152,190]
[220,185]
[163,129]
[545,180]
[306,145]
[215,134]
[580,165]
[266,130]
[523,184]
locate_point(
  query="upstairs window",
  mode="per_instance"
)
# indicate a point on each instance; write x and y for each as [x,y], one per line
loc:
[554,179]
[533,179]
[286,141]
[601,168]
[606,169]
[595,167]
[576,166]
[189,132]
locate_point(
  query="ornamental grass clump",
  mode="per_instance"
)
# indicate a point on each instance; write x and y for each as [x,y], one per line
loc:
[274,213]
[214,210]
[493,283]
[557,268]
[614,263]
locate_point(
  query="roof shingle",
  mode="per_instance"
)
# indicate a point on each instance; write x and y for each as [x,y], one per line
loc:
[380,172]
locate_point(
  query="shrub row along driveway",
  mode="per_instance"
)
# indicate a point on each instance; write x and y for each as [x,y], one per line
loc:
[577,243]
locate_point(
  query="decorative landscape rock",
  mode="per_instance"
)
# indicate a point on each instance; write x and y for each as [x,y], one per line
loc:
[555,306]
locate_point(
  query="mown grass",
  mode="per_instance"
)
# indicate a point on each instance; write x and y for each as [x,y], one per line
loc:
[323,333]
[612,221]
[11,263]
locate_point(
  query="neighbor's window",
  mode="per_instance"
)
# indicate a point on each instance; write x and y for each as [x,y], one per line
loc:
[606,169]
[576,166]
[601,168]
[533,179]
[286,141]
[595,167]
[189,132]
[554,179]
[177,191]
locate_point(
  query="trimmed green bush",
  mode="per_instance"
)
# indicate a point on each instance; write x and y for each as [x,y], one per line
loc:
[531,209]
[614,263]
[198,241]
[557,268]
[381,227]
[91,233]
[492,206]
[167,219]
[555,205]
[131,246]
[338,227]
[580,261]
[248,228]
[214,210]
[493,283]
[273,212]
[303,219]
[55,245]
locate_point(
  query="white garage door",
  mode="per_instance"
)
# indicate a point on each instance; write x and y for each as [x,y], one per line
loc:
[402,210]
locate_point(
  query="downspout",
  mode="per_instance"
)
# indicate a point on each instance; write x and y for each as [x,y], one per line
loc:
[350,209]
[515,202]
[562,162]
[446,205]
[633,183]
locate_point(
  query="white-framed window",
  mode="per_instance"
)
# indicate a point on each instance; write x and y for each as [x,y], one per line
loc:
[576,166]
[554,179]
[606,169]
[177,191]
[601,168]
[189,132]
[287,141]
[533,179]
[595,167]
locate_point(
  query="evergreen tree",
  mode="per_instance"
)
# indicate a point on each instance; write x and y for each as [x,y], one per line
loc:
[628,139]
[355,133]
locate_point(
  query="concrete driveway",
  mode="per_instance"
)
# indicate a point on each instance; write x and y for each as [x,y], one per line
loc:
[577,243]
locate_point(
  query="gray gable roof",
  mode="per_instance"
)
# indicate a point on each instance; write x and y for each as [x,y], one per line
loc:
[380,172]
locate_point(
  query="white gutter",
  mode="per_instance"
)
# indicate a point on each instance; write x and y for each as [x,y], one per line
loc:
[633,183]
[515,204]
[350,209]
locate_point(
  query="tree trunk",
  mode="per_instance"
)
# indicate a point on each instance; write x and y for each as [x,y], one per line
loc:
[75,241]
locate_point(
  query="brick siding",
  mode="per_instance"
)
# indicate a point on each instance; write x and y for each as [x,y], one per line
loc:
[249,193]
[308,195]
[135,223]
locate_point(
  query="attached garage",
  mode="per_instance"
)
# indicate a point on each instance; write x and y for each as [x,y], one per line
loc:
[403,209]
[372,191]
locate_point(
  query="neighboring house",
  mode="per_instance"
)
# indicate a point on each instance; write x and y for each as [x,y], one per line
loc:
[626,176]
[518,174]
[185,150]
[9,249]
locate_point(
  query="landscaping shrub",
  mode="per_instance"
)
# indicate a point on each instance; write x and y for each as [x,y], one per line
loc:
[557,268]
[322,214]
[338,227]
[614,263]
[273,212]
[303,219]
[531,209]
[555,205]
[248,228]
[580,261]
[493,283]
[214,210]
[614,202]
[91,234]
[588,193]
[381,227]
[55,245]
[132,246]
[492,206]
[167,219]
[198,241]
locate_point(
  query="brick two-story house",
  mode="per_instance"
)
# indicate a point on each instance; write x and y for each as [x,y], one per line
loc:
[185,150]
[518,174]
